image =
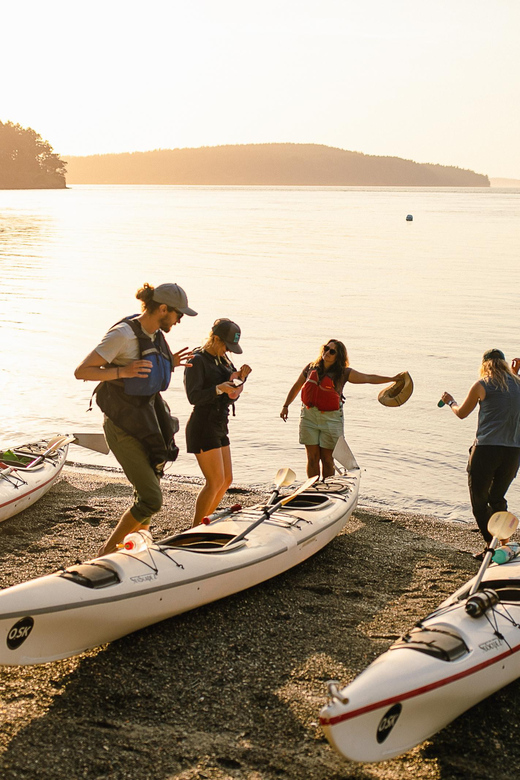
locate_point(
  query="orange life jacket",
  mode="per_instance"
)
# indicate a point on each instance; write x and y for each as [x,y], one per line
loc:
[321,394]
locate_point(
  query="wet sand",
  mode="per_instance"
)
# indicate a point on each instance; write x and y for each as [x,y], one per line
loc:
[234,689]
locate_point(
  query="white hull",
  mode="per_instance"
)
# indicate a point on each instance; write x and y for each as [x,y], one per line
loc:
[56,616]
[408,694]
[21,487]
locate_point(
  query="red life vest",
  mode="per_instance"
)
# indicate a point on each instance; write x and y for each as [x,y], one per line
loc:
[323,395]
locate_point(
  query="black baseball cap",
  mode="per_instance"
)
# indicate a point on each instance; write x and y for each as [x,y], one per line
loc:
[493,354]
[229,332]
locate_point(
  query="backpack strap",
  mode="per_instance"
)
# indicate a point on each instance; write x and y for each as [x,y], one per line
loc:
[146,344]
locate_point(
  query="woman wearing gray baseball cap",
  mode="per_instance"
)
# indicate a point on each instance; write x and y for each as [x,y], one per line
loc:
[495,455]
[212,385]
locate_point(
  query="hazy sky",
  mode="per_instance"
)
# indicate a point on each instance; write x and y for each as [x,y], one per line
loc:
[430,81]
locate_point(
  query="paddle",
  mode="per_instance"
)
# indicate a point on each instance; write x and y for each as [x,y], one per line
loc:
[283,478]
[92,441]
[501,525]
[220,513]
[53,445]
[267,512]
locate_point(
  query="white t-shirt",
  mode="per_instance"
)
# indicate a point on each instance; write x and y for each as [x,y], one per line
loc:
[120,345]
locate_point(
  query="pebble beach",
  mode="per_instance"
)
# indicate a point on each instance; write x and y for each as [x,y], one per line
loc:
[234,689]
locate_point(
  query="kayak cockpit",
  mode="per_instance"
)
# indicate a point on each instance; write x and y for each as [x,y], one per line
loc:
[18,465]
[444,645]
[91,575]
[22,458]
[308,501]
[507,590]
[202,541]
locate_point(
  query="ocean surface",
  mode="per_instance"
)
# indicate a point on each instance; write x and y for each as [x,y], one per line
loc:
[294,267]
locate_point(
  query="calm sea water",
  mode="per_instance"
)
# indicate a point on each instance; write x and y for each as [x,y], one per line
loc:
[294,267]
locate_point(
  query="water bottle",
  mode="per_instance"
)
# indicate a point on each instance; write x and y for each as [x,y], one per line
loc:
[137,541]
[506,553]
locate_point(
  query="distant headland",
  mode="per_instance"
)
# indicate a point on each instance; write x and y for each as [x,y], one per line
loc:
[274,164]
[498,182]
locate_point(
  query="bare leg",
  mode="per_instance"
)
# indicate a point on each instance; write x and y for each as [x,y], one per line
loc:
[228,475]
[216,468]
[327,463]
[313,459]
[126,525]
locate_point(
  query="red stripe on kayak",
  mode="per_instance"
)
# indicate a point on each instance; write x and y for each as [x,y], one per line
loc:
[417,691]
[28,493]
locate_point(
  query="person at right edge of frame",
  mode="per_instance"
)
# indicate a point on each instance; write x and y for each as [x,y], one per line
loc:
[133,364]
[494,457]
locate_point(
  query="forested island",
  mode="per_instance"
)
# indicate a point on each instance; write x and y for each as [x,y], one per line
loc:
[268,165]
[27,162]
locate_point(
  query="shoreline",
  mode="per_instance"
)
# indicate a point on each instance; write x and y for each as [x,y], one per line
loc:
[234,688]
[261,489]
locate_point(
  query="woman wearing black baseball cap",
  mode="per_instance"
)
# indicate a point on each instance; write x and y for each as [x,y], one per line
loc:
[212,385]
[495,455]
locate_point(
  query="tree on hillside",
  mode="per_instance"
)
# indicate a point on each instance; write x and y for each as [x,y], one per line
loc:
[28,162]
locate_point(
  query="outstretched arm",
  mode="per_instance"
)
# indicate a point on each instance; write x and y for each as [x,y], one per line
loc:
[476,393]
[358,378]
[291,395]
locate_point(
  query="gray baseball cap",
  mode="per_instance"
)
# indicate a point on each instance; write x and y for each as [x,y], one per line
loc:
[174,296]
[229,332]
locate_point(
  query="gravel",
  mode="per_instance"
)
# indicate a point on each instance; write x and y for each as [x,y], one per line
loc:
[234,689]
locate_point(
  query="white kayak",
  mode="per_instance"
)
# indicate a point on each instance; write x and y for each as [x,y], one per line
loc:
[27,472]
[87,605]
[460,654]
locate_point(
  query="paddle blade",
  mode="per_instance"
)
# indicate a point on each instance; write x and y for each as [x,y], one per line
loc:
[343,454]
[58,441]
[502,524]
[92,441]
[284,477]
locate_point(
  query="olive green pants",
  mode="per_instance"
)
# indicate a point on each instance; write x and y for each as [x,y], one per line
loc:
[133,459]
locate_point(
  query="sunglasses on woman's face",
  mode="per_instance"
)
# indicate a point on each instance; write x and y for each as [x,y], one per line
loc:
[329,349]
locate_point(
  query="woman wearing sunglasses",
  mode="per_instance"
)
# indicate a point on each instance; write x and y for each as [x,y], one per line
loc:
[321,422]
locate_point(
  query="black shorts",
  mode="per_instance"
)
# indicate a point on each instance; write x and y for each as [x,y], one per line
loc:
[207,429]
